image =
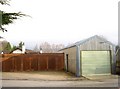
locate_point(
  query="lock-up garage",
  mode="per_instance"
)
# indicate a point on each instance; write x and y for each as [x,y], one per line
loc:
[92,56]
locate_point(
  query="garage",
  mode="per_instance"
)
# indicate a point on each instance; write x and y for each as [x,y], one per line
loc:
[91,56]
[95,62]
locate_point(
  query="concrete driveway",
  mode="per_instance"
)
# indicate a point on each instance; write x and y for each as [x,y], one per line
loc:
[55,79]
[43,75]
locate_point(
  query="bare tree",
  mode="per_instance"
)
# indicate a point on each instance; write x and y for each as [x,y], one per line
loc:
[46,47]
[36,49]
[49,48]
[56,48]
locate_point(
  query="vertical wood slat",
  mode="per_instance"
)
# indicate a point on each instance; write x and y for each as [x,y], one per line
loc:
[33,62]
[47,62]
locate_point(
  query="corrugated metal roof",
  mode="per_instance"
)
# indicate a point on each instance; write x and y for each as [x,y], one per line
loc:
[85,40]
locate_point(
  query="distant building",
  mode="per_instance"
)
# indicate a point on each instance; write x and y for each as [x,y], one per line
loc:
[17,50]
[28,51]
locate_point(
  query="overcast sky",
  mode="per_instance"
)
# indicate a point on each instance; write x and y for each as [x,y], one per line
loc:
[62,21]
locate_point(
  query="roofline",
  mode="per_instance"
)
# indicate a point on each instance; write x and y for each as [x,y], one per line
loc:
[67,47]
[106,41]
[78,43]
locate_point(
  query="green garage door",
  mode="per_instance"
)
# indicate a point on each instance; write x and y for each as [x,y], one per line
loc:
[95,62]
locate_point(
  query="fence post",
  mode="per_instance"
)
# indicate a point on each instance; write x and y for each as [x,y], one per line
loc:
[56,62]
[38,62]
[13,64]
[21,64]
[47,62]
[30,65]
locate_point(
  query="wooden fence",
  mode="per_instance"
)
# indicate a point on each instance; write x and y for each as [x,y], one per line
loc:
[32,62]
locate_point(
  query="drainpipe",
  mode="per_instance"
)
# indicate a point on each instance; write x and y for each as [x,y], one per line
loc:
[78,62]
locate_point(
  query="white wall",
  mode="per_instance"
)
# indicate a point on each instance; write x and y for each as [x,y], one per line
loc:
[17,51]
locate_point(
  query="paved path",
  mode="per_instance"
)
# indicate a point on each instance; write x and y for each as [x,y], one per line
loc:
[26,83]
[55,79]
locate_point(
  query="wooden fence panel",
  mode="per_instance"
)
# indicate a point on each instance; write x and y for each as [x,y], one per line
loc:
[7,65]
[27,63]
[52,63]
[17,63]
[43,63]
[60,63]
[33,62]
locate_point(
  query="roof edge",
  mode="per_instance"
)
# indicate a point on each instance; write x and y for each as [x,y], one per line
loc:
[87,39]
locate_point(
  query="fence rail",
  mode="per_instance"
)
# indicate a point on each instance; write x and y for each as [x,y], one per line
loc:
[32,62]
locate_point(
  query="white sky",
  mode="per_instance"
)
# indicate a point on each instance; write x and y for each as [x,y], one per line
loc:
[62,21]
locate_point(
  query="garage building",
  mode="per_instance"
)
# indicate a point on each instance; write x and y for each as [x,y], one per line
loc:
[92,56]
